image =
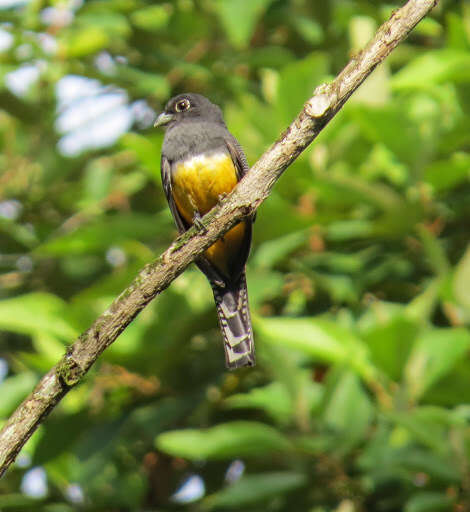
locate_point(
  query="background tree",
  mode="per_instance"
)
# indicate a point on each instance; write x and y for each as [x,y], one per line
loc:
[359,277]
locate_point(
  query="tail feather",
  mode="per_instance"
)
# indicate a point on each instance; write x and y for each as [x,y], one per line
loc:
[235,323]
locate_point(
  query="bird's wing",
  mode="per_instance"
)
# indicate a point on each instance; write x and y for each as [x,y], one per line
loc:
[238,156]
[239,159]
[241,166]
[166,182]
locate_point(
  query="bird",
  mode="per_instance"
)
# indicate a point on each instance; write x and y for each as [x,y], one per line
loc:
[201,162]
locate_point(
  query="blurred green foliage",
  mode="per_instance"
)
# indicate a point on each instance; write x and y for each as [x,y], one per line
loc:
[359,276]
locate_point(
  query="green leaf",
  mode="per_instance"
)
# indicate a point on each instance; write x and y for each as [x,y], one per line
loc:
[13,390]
[348,410]
[152,18]
[428,27]
[437,465]
[461,281]
[348,230]
[434,355]
[381,124]
[297,82]
[104,232]
[340,288]
[268,57]
[272,252]
[434,251]
[434,68]
[390,341]
[113,23]
[320,339]
[36,313]
[22,234]
[255,488]
[97,181]
[94,449]
[79,42]
[58,435]
[273,398]
[429,425]
[239,18]
[145,83]
[18,502]
[264,285]
[428,501]
[51,348]
[394,453]
[457,37]
[146,151]
[447,174]
[309,29]
[235,439]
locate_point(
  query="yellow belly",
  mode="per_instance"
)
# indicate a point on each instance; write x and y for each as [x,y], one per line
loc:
[197,185]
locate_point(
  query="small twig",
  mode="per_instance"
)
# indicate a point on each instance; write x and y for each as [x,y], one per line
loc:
[240,203]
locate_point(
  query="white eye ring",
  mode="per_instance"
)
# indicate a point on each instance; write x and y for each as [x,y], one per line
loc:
[182,105]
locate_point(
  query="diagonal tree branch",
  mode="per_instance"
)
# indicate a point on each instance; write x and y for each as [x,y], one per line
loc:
[240,203]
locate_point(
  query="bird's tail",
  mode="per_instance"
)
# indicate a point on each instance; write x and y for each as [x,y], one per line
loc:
[235,323]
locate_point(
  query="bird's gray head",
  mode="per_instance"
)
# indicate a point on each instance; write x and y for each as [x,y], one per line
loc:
[189,107]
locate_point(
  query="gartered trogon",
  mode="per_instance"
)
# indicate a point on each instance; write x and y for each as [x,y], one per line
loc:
[201,162]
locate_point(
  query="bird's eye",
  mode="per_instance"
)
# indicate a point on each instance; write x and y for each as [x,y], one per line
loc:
[182,105]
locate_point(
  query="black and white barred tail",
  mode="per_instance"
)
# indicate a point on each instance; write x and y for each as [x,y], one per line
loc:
[235,323]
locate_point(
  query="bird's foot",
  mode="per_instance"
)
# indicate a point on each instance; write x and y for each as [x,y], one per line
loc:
[197,221]
[219,283]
